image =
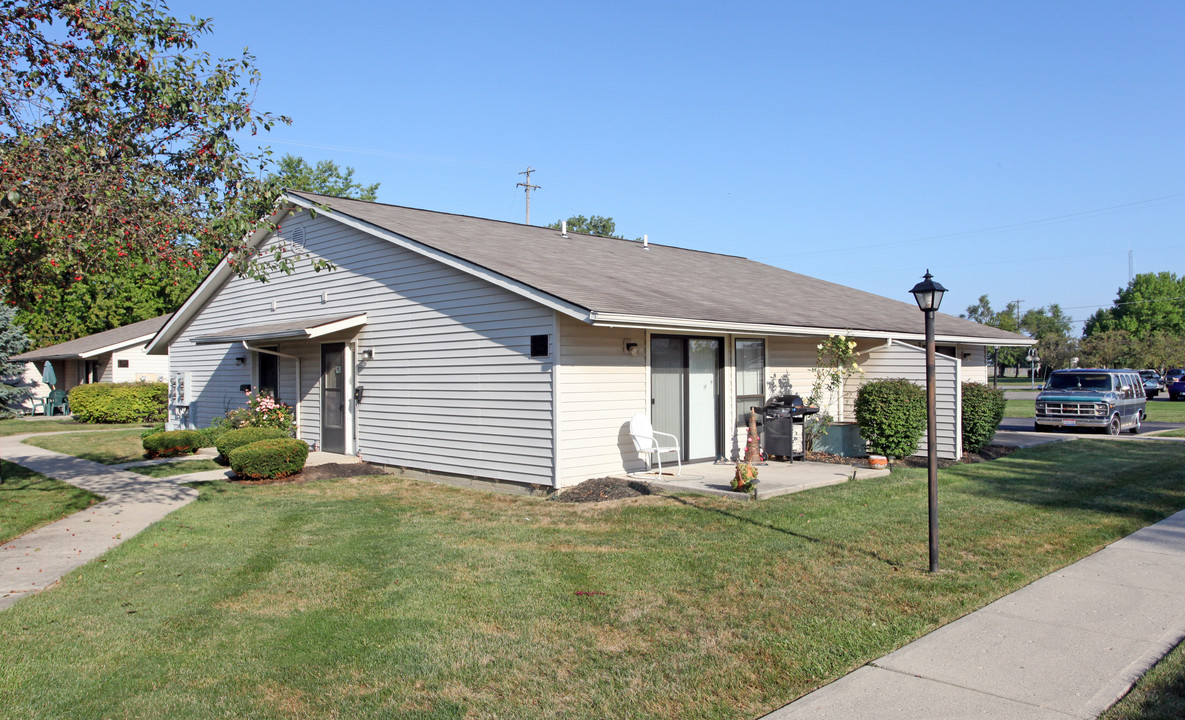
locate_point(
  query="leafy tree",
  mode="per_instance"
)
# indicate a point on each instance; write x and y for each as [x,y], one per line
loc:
[118,143]
[1108,349]
[326,178]
[1046,322]
[12,342]
[1006,319]
[1151,302]
[1161,350]
[595,225]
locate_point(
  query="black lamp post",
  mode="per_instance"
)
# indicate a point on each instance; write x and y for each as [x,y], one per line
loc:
[929,296]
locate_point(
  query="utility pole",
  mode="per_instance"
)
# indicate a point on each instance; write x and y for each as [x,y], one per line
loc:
[529,188]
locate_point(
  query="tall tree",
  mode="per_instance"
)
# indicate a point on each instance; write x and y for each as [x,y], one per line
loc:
[1007,319]
[324,178]
[1151,302]
[118,142]
[1109,349]
[12,342]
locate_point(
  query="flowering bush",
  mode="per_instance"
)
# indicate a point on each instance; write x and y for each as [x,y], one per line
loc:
[835,363]
[263,410]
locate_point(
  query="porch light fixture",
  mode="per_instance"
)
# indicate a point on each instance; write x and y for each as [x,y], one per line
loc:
[631,348]
[928,295]
[368,353]
[240,360]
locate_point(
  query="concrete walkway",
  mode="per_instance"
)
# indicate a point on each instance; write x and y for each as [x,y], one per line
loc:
[1067,646]
[132,502]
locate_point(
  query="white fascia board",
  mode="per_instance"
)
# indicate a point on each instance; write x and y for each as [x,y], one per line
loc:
[338,326]
[452,261]
[159,344]
[118,346]
[685,325]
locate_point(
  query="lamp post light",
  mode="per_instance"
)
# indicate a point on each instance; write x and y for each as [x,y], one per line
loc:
[928,295]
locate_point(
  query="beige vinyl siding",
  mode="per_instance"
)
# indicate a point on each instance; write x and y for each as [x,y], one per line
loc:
[903,360]
[601,388]
[451,387]
[140,365]
[974,361]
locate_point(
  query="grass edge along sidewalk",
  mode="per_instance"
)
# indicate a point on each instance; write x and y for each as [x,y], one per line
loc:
[29,500]
[374,597]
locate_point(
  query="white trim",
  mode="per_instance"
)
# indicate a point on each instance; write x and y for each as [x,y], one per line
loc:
[683,325]
[116,347]
[556,365]
[317,331]
[452,261]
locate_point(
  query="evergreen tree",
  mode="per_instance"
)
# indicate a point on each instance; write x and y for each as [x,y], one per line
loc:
[12,342]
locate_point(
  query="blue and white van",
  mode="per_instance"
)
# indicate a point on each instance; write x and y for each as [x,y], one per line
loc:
[1112,400]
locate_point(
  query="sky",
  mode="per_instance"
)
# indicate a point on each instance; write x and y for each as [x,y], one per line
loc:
[1015,149]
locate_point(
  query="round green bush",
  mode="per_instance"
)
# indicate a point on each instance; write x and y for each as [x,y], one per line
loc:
[106,402]
[172,443]
[266,459]
[211,434]
[983,409]
[245,436]
[892,416]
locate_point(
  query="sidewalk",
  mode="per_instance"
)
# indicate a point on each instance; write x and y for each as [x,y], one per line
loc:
[1067,646]
[132,502]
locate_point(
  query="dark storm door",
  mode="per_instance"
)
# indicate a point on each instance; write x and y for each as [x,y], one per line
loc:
[333,398]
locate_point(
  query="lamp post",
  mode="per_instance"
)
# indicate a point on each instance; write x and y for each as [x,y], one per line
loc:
[928,295]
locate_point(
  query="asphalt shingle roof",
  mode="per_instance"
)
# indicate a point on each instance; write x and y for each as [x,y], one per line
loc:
[608,275]
[72,349]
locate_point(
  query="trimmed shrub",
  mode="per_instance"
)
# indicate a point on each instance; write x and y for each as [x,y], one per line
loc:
[983,409]
[266,459]
[244,436]
[892,416]
[211,434]
[106,402]
[157,428]
[172,443]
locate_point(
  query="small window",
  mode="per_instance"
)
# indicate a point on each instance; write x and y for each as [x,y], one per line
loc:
[121,363]
[540,346]
[750,375]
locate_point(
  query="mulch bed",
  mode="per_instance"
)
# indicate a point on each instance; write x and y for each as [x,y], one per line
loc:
[318,472]
[991,452]
[606,488]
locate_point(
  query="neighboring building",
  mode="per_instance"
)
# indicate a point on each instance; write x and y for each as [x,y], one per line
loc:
[110,356]
[489,349]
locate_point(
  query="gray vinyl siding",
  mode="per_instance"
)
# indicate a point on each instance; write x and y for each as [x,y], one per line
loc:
[903,360]
[601,388]
[452,387]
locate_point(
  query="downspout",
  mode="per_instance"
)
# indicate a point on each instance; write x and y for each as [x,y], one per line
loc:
[296,403]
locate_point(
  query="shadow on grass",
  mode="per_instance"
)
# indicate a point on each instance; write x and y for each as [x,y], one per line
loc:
[1131,479]
[791,533]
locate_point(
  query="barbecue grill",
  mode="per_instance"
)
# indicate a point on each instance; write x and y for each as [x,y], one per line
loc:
[779,416]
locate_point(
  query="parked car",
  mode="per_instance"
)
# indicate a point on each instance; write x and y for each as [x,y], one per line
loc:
[1174,383]
[1153,383]
[1111,400]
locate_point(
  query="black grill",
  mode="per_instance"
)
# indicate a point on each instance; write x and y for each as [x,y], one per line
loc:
[779,416]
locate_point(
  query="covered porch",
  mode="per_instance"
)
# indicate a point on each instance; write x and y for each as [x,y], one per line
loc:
[774,478]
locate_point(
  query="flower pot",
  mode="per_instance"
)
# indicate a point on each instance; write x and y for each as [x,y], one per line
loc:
[878,462]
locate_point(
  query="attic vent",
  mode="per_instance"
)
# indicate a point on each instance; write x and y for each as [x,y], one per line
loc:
[298,238]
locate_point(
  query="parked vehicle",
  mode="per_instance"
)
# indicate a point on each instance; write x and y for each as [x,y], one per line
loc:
[1111,400]
[1174,383]
[1153,383]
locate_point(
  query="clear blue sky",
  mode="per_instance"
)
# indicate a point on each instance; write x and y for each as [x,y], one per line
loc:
[1015,149]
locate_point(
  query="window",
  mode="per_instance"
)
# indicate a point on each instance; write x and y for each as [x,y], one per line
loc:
[540,346]
[268,377]
[750,364]
[121,363]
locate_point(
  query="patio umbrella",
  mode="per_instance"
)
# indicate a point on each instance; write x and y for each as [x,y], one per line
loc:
[48,376]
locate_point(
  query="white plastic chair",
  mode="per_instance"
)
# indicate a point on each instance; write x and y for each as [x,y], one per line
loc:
[643,434]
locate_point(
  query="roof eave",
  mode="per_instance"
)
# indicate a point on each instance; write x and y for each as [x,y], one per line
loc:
[684,325]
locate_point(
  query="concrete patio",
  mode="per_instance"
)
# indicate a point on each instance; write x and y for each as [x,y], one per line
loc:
[774,478]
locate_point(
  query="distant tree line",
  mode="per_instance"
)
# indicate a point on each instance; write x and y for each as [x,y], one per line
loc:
[1144,328]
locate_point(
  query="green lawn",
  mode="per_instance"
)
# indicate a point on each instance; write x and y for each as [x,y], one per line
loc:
[1158,410]
[382,597]
[29,500]
[20,426]
[109,448]
[177,468]
[1159,695]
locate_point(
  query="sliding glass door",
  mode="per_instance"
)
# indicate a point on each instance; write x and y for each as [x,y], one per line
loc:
[685,380]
